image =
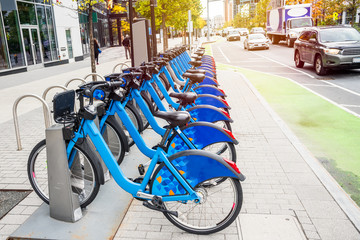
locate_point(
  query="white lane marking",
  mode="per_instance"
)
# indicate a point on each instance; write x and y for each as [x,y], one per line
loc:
[342,88]
[317,85]
[224,55]
[292,68]
[353,106]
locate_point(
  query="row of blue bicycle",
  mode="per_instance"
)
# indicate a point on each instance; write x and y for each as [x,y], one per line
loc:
[192,175]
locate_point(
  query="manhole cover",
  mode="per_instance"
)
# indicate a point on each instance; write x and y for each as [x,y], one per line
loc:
[9,199]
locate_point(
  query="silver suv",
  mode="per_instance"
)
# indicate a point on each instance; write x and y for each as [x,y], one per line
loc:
[328,47]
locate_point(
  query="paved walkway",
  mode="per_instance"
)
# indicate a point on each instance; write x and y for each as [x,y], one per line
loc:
[283,198]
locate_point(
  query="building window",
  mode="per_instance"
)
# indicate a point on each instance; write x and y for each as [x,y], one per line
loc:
[44,35]
[52,40]
[13,38]
[4,61]
[27,13]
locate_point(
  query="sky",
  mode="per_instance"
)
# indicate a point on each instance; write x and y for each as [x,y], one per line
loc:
[216,8]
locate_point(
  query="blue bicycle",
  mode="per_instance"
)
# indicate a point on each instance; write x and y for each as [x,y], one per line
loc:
[180,186]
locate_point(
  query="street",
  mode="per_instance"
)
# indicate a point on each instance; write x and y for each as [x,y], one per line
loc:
[341,87]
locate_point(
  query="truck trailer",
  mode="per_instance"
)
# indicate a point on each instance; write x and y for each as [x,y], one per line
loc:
[287,22]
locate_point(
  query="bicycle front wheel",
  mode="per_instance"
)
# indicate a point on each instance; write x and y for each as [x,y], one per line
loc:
[218,208]
[84,180]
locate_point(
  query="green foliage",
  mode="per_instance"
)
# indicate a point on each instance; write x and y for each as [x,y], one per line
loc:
[259,20]
[174,13]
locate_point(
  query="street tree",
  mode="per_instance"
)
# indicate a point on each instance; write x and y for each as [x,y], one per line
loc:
[350,7]
[169,13]
[259,20]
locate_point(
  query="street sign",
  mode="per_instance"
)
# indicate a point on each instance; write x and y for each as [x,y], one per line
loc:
[335,16]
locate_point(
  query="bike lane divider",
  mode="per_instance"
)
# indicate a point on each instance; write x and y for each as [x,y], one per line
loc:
[328,131]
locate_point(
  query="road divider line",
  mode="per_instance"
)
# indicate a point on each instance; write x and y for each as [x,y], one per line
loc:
[342,88]
[227,59]
[354,106]
[317,85]
[292,68]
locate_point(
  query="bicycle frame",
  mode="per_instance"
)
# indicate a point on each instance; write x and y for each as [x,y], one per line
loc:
[89,128]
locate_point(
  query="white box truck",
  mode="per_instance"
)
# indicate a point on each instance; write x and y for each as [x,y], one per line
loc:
[287,22]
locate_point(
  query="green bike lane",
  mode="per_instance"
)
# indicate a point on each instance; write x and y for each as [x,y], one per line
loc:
[328,131]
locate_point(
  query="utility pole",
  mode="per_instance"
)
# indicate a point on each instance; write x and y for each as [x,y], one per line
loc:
[131,33]
[153,4]
[208,21]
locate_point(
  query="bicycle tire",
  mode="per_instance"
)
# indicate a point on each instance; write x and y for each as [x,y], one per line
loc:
[39,151]
[226,214]
[165,81]
[115,140]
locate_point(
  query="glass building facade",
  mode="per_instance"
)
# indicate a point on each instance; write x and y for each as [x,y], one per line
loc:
[27,33]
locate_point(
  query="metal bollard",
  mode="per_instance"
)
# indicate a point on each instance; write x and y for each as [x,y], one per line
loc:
[64,203]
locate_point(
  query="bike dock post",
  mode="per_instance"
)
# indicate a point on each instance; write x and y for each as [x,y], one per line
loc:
[64,203]
[46,111]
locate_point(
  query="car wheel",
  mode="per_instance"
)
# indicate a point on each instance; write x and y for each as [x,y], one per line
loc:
[289,42]
[298,62]
[319,67]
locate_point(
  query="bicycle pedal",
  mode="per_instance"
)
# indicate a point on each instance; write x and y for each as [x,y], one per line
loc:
[141,169]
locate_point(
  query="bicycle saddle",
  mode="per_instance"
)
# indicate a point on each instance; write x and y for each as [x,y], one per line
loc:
[175,119]
[185,98]
[196,71]
[196,57]
[195,63]
[195,77]
[200,53]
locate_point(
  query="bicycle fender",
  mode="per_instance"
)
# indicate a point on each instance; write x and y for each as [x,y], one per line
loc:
[201,134]
[123,136]
[209,81]
[209,89]
[208,113]
[90,149]
[208,99]
[195,166]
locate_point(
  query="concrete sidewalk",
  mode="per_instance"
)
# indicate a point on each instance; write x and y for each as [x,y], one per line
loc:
[283,197]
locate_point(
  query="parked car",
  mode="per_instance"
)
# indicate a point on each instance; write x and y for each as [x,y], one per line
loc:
[256,41]
[233,35]
[258,30]
[243,31]
[328,47]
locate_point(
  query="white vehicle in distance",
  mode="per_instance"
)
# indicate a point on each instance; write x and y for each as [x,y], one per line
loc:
[243,31]
[233,35]
[256,41]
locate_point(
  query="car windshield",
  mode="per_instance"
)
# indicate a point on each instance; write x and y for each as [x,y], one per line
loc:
[301,22]
[233,32]
[257,29]
[339,35]
[256,36]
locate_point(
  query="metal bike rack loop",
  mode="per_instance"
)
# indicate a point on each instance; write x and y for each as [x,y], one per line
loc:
[74,79]
[52,87]
[94,74]
[121,66]
[46,111]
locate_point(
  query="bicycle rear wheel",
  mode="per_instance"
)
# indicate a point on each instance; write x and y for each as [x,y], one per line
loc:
[218,208]
[84,179]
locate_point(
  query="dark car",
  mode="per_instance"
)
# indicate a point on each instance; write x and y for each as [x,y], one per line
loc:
[258,30]
[328,47]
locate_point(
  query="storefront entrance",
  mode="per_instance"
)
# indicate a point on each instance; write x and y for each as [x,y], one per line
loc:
[32,45]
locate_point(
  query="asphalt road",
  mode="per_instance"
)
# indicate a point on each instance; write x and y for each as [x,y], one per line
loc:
[341,87]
